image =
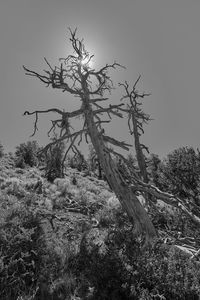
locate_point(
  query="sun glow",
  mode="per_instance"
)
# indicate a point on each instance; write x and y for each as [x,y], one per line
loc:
[87,62]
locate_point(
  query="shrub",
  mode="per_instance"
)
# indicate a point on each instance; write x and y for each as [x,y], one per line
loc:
[124,270]
[153,167]
[26,154]
[64,186]
[20,163]
[53,162]
[32,265]
[1,150]
[22,247]
[14,186]
[78,162]
[179,173]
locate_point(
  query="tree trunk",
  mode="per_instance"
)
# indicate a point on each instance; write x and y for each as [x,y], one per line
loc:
[130,203]
[139,153]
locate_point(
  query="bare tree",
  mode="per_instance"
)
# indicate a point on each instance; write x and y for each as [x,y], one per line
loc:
[75,76]
[136,119]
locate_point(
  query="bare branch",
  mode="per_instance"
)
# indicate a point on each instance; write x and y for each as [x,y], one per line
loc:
[43,78]
[117,154]
[48,64]
[98,123]
[54,123]
[109,110]
[165,197]
[55,79]
[145,147]
[70,146]
[134,86]
[44,111]
[97,100]
[64,137]
[105,69]
[115,142]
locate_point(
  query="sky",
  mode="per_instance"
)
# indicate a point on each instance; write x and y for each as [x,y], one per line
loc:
[157,39]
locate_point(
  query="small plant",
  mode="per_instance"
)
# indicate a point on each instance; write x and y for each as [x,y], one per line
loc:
[20,163]
[74,180]
[54,162]
[26,154]
[179,173]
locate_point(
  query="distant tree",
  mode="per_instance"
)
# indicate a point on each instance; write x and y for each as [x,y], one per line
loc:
[180,173]
[78,161]
[53,161]
[26,154]
[153,168]
[1,150]
[136,119]
[132,164]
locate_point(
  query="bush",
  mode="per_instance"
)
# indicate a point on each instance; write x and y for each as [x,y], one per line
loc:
[78,162]
[32,265]
[13,186]
[1,150]
[53,162]
[26,154]
[122,269]
[22,248]
[179,173]
[153,167]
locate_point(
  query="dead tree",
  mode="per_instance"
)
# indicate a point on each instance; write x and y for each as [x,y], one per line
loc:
[75,76]
[136,119]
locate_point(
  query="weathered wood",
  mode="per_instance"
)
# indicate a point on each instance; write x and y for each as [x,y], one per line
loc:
[135,211]
[75,78]
[138,117]
[139,153]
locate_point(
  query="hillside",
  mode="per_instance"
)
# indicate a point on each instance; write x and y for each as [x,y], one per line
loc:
[70,239]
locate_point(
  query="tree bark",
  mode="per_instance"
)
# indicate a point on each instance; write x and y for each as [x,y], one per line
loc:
[81,85]
[139,153]
[130,203]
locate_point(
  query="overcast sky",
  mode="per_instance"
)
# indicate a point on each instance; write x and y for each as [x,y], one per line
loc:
[159,39]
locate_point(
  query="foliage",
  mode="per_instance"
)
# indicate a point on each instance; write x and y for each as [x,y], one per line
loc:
[26,154]
[132,161]
[179,173]
[90,251]
[78,162]
[32,266]
[22,245]
[126,271]
[13,186]
[153,167]
[54,162]
[1,150]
